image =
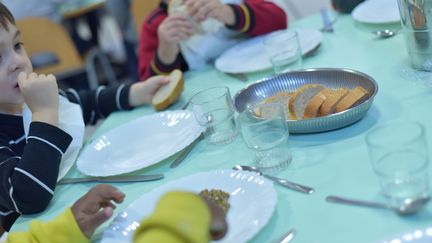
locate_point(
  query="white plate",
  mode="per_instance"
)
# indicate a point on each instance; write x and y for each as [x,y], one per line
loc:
[252,202]
[250,56]
[139,143]
[377,12]
[415,236]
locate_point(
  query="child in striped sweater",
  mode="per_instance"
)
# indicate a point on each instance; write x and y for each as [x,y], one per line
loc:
[29,166]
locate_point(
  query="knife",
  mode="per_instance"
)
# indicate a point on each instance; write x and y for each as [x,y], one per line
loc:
[111,179]
[328,25]
[287,237]
[184,153]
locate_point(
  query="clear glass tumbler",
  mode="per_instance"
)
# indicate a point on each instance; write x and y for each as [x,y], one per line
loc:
[399,156]
[265,131]
[284,51]
[213,109]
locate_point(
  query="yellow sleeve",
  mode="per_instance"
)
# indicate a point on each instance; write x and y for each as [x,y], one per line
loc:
[63,229]
[179,217]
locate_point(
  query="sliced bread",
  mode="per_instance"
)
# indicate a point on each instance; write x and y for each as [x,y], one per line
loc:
[283,98]
[353,98]
[301,98]
[170,92]
[313,106]
[333,98]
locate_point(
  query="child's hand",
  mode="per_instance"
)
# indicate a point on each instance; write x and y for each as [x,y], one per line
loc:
[40,93]
[171,31]
[174,29]
[96,207]
[142,92]
[203,9]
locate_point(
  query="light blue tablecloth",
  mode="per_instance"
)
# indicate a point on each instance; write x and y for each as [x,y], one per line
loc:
[333,162]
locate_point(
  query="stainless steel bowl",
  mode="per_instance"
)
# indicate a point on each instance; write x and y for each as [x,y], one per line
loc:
[333,78]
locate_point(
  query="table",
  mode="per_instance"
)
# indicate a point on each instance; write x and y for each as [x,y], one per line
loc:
[333,162]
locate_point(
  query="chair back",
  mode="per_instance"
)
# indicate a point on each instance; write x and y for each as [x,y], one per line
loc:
[42,35]
[140,9]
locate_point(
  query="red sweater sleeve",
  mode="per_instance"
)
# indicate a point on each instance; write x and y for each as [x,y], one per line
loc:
[257,17]
[148,61]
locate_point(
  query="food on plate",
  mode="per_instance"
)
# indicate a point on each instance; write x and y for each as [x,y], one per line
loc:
[217,196]
[315,100]
[170,92]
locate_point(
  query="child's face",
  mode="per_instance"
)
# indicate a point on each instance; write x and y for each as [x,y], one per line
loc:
[13,60]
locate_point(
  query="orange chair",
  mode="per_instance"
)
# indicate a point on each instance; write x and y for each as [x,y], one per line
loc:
[44,36]
[140,9]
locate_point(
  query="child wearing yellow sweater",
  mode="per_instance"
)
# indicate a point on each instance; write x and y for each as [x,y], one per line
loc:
[179,217]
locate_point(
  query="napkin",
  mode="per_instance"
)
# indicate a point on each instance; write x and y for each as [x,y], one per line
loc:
[70,121]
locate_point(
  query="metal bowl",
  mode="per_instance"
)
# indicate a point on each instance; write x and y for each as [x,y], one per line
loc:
[332,78]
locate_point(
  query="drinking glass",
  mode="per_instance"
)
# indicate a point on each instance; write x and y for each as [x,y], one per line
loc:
[399,157]
[265,132]
[213,109]
[284,51]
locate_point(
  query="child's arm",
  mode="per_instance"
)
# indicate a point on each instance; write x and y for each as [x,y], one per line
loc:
[253,17]
[154,57]
[77,223]
[28,169]
[29,165]
[104,100]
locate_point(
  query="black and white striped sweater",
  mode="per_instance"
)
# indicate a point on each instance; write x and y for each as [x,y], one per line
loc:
[29,166]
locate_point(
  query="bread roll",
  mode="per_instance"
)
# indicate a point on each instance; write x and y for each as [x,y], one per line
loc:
[179,8]
[170,92]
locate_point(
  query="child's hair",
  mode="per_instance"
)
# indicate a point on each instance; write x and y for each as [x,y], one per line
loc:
[5,17]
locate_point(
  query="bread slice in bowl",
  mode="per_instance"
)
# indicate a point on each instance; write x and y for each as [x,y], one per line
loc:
[301,98]
[333,98]
[353,98]
[314,104]
[170,92]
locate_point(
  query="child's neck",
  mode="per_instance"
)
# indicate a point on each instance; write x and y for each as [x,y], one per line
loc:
[11,109]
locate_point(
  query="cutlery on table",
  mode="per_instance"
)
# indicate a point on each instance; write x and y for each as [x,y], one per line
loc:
[239,76]
[384,33]
[283,182]
[287,237]
[184,153]
[409,206]
[112,179]
[327,24]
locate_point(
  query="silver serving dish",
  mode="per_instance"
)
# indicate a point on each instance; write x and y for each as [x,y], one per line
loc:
[330,77]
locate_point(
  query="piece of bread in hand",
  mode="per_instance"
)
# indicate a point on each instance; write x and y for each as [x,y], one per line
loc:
[179,8]
[169,93]
[353,98]
[333,98]
[301,98]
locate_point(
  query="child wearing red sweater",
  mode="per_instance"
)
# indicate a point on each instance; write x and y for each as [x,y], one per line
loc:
[168,42]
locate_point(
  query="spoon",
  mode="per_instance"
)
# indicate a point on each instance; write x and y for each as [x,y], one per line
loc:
[409,206]
[283,182]
[384,33]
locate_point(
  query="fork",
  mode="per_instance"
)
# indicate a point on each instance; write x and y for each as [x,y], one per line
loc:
[327,24]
